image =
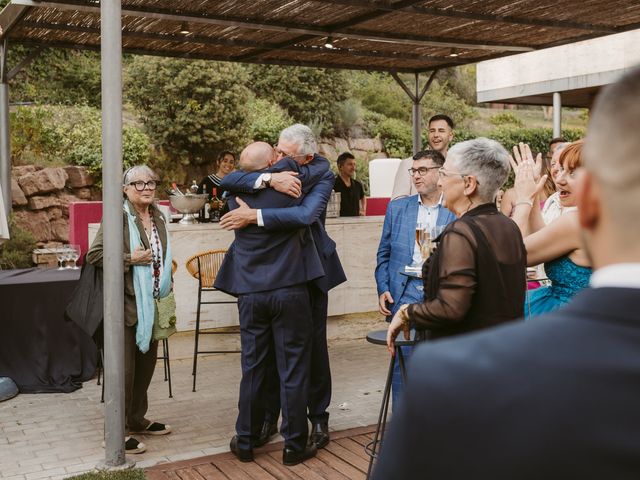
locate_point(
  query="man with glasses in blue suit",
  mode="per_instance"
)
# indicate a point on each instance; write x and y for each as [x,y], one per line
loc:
[398,247]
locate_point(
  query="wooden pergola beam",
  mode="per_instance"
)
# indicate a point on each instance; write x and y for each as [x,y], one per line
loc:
[222,58]
[204,40]
[282,27]
[337,26]
[450,13]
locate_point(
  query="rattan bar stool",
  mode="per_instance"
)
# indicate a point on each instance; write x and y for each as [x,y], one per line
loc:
[204,267]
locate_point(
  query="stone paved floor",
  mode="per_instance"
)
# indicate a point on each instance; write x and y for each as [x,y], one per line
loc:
[57,435]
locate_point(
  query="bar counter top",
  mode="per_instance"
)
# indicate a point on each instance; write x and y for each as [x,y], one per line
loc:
[356,238]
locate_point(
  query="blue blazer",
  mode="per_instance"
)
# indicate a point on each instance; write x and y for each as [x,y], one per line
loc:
[397,244]
[260,260]
[317,184]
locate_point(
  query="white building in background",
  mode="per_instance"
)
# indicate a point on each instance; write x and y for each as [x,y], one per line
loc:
[574,72]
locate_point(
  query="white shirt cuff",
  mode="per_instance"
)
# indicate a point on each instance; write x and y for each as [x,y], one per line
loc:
[258,185]
[259,215]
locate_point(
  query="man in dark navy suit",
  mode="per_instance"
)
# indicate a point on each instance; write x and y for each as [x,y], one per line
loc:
[269,272]
[298,142]
[555,397]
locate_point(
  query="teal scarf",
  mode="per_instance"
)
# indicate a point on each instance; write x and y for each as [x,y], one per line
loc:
[143,284]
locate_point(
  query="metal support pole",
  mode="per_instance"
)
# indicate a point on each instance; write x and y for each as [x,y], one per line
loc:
[111,50]
[5,136]
[416,98]
[557,115]
[417,140]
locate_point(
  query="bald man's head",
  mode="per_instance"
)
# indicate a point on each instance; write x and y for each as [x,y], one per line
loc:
[256,156]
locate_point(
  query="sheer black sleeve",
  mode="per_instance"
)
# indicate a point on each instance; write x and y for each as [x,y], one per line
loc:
[457,280]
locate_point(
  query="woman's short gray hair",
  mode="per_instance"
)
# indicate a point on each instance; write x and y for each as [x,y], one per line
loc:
[486,160]
[135,171]
[301,135]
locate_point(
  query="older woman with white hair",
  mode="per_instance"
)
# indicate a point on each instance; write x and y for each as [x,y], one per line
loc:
[476,277]
[147,277]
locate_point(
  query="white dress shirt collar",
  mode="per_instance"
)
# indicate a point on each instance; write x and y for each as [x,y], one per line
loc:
[619,275]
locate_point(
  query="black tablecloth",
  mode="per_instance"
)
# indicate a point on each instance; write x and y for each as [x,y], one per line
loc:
[39,349]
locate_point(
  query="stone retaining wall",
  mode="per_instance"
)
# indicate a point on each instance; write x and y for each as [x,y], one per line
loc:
[41,198]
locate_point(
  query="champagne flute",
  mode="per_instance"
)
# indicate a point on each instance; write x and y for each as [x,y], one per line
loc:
[435,232]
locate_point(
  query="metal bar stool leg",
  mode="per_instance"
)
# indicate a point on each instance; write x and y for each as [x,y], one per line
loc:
[102,368]
[373,448]
[167,363]
[195,345]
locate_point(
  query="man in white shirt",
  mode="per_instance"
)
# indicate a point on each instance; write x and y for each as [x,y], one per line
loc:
[440,134]
[555,397]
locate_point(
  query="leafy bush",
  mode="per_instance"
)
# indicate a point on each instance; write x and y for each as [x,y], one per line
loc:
[60,77]
[16,252]
[537,138]
[441,99]
[506,118]
[191,109]
[58,135]
[307,94]
[266,120]
[349,114]
[379,93]
[396,136]
[33,136]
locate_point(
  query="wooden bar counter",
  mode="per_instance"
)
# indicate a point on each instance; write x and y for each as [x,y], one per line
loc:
[357,240]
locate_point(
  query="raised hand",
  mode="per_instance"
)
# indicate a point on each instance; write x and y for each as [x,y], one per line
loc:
[522,154]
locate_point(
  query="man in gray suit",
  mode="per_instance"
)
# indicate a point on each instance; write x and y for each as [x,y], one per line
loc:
[557,396]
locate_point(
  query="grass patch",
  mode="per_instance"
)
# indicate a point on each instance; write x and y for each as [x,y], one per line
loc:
[131,474]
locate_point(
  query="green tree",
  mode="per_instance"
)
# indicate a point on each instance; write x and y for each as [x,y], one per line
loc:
[63,77]
[307,94]
[191,109]
[441,99]
[380,93]
[266,120]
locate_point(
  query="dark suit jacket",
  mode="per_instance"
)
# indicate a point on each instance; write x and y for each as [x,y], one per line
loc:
[317,183]
[555,397]
[260,260]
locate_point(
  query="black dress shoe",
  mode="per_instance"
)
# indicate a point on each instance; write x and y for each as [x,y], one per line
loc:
[320,434]
[292,457]
[266,433]
[242,454]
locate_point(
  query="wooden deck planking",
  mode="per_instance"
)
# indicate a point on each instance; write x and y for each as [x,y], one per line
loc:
[344,458]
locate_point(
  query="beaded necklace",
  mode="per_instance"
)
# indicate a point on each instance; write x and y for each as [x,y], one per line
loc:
[156,258]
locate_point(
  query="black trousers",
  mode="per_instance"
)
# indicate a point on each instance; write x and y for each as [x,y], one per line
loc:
[138,371]
[277,321]
[320,371]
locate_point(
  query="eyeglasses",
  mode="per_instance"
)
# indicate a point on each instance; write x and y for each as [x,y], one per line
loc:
[422,171]
[443,173]
[281,153]
[140,185]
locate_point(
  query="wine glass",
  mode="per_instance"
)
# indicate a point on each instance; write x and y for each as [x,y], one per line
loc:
[74,254]
[60,258]
[66,255]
